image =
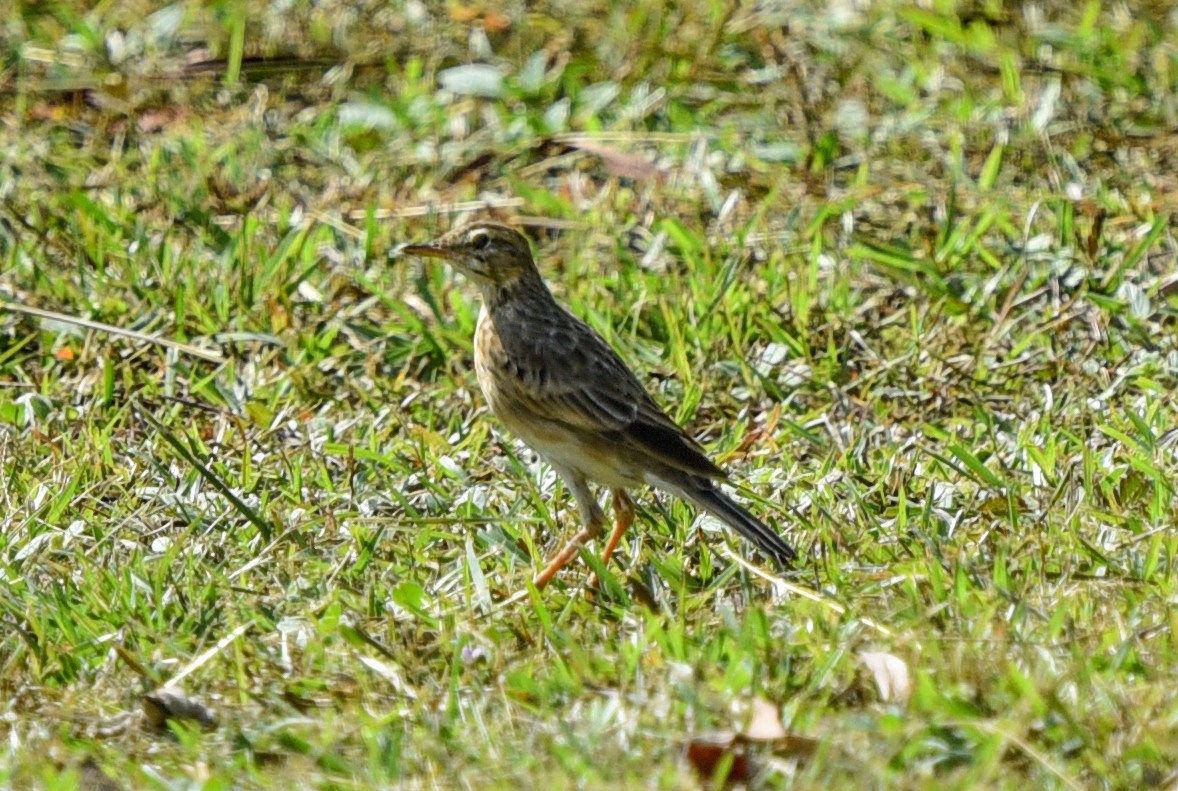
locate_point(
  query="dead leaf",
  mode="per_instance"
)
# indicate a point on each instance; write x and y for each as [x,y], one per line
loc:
[709,753]
[706,753]
[616,162]
[765,724]
[891,675]
[279,318]
[195,56]
[494,22]
[158,119]
[171,703]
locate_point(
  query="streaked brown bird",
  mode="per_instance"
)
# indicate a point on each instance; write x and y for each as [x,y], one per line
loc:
[557,385]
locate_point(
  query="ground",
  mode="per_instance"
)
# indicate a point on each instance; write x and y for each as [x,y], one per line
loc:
[907,271]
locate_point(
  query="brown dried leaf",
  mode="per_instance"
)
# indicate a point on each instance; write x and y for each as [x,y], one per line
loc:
[495,22]
[709,753]
[706,753]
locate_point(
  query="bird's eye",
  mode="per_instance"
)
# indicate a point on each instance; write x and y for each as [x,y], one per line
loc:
[479,240]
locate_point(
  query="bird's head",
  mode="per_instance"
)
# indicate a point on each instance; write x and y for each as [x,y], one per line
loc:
[494,256]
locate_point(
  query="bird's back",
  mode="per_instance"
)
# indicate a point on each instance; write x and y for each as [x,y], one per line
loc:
[535,357]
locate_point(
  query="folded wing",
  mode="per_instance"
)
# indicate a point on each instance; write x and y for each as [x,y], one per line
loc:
[604,397]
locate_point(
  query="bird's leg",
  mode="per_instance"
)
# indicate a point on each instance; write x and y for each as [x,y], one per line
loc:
[565,555]
[591,517]
[623,518]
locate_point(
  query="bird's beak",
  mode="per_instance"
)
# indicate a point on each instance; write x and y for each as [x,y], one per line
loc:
[427,250]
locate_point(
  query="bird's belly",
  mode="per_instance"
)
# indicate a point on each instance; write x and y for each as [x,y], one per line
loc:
[566,448]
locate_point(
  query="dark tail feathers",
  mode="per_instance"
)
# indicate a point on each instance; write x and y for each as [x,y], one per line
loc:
[705,494]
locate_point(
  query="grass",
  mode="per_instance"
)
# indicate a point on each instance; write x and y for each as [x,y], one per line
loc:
[907,271]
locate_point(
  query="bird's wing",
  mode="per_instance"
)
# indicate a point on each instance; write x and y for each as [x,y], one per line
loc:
[565,372]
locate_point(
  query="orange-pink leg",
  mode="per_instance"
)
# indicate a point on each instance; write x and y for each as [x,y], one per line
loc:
[560,559]
[591,521]
[623,518]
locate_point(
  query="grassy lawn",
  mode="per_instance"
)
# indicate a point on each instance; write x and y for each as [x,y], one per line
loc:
[908,271]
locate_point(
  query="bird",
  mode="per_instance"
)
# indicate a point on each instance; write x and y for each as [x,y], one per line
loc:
[556,384]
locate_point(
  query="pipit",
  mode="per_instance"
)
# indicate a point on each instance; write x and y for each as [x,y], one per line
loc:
[557,385]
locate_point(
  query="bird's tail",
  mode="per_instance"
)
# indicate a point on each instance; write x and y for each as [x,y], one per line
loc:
[704,493]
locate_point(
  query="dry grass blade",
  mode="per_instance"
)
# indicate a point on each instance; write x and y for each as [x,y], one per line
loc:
[155,340]
[200,660]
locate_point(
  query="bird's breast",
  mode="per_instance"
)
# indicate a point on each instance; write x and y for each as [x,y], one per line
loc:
[497,373]
[489,356]
[508,384]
